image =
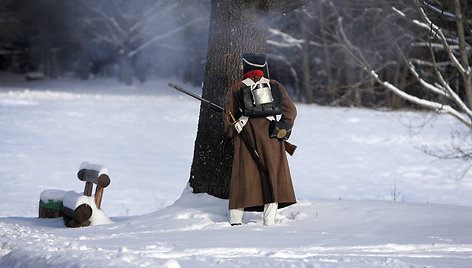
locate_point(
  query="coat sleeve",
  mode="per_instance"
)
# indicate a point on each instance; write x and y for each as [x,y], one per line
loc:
[289,111]
[231,106]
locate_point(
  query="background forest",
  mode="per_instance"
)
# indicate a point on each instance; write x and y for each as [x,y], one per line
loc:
[308,49]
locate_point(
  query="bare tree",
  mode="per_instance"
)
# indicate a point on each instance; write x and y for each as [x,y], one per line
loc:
[10,33]
[30,42]
[328,75]
[441,87]
[130,28]
[452,47]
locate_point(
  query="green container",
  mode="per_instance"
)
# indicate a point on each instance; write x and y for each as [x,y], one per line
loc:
[51,204]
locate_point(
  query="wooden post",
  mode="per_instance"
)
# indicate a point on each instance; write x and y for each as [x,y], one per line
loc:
[98,196]
[51,203]
[102,181]
[78,217]
[88,188]
[92,174]
[49,212]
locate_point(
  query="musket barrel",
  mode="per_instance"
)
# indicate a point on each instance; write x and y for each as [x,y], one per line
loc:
[212,105]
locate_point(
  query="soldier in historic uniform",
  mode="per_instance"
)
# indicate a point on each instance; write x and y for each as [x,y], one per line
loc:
[262,110]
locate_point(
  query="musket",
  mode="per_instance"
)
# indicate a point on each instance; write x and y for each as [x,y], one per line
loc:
[289,148]
[214,106]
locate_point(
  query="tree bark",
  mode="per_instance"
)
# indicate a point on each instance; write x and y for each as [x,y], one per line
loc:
[53,63]
[125,68]
[463,50]
[306,61]
[330,85]
[236,27]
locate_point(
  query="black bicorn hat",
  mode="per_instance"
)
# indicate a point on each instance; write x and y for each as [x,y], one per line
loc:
[253,61]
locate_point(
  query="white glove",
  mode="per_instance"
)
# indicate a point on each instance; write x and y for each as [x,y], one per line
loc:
[239,125]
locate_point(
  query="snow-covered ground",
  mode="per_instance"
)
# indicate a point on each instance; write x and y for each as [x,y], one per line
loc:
[349,167]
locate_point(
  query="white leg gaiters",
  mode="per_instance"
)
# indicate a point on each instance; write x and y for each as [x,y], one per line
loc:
[269,213]
[236,216]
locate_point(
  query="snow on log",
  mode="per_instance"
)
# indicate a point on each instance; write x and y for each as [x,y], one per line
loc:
[94,173]
[80,210]
[31,76]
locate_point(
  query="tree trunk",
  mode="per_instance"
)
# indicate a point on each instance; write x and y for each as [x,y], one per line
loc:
[329,88]
[306,61]
[467,77]
[236,27]
[125,68]
[53,63]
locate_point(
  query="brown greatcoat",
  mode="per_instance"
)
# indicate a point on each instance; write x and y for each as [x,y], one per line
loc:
[246,190]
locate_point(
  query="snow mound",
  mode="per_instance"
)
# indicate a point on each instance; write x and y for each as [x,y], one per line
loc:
[194,232]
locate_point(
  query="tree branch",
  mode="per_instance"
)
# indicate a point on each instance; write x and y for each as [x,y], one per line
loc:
[433,28]
[432,105]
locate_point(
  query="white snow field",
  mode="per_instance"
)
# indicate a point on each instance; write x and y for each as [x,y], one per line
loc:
[350,166]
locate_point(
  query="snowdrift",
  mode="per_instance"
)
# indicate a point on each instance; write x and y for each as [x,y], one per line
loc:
[194,232]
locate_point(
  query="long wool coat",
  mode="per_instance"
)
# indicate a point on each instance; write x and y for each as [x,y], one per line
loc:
[246,189]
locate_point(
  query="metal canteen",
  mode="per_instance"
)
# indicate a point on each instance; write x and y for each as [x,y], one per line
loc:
[261,93]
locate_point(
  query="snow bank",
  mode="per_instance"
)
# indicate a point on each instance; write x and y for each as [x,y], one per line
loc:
[194,232]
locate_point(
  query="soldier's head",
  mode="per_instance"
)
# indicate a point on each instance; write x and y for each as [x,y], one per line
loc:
[253,61]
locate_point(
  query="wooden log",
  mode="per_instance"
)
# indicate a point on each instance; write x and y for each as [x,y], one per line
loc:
[50,203]
[77,217]
[50,209]
[71,222]
[49,212]
[98,196]
[88,188]
[31,76]
[91,175]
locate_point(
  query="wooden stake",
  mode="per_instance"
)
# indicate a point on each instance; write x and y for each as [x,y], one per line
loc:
[98,196]
[88,188]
